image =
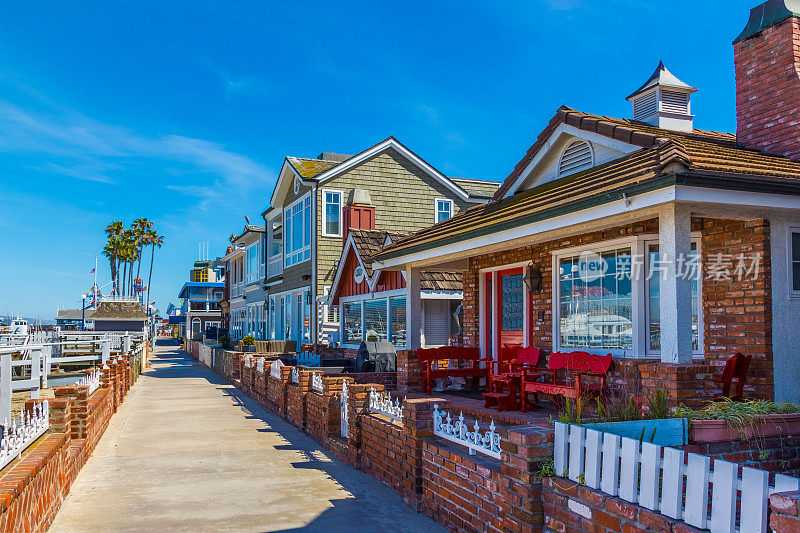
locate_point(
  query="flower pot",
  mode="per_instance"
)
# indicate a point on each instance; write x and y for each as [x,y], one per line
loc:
[704,431]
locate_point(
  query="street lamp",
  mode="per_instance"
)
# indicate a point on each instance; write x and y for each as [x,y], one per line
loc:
[83,312]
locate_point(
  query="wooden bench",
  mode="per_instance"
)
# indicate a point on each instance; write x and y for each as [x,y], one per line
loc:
[588,372]
[429,359]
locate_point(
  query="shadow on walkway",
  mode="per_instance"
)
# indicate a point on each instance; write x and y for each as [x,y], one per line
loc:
[373,506]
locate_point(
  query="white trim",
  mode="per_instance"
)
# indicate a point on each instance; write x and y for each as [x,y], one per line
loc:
[791,229]
[325,211]
[436,209]
[349,244]
[408,154]
[590,136]
[506,266]
[286,234]
[641,201]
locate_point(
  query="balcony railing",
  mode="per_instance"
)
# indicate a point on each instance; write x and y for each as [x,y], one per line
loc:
[275,266]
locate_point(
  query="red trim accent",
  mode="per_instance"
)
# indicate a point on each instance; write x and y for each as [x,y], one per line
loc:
[498,332]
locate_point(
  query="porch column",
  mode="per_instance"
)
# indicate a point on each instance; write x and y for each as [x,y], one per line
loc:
[674,242]
[413,307]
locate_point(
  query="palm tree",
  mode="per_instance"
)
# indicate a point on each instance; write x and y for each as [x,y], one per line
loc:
[155,240]
[114,231]
[141,227]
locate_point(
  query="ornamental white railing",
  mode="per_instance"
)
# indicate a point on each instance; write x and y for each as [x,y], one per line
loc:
[23,432]
[90,380]
[668,480]
[487,442]
[275,369]
[248,361]
[316,382]
[381,403]
[295,375]
[260,365]
[345,426]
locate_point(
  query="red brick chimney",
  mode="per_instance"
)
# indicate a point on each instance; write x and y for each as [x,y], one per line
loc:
[767,59]
[359,213]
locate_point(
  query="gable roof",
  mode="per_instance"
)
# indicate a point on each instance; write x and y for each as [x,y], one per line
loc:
[319,171]
[666,157]
[368,242]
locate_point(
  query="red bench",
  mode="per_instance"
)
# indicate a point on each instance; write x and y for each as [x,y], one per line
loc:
[588,375]
[429,358]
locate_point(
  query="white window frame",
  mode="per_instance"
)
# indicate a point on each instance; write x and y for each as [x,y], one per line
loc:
[436,209]
[325,212]
[277,258]
[696,239]
[251,276]
[303,254]
[793,228]
[388,295]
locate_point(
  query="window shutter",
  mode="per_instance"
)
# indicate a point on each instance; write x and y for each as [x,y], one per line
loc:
[674,102]
[437,322]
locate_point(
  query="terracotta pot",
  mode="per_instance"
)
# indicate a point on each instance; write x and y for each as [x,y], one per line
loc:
[704,431]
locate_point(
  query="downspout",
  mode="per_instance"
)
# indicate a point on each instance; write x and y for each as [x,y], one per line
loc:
[314,324]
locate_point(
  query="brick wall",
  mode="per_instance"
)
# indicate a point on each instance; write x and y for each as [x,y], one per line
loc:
[569,506]
[323,410]
[768,90]
[737,314]
[785,512]
[382,450]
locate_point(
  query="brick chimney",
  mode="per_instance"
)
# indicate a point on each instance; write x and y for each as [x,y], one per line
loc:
[359,213]
[767,59]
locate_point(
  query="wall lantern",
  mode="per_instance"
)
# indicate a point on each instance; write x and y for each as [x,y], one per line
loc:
[533,279]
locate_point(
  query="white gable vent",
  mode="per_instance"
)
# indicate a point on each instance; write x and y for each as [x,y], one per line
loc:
[577,156]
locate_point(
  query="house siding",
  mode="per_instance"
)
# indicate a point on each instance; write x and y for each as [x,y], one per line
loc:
[403,196]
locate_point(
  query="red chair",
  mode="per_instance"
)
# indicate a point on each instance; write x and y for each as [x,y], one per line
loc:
[736,368]
[582,365]
[506,376]
[430,357]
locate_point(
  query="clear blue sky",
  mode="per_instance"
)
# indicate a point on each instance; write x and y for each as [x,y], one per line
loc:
[182,112]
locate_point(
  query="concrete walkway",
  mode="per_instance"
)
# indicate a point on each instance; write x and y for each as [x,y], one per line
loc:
[189,452]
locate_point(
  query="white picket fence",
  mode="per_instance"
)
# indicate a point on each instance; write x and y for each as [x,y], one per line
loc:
[668,480]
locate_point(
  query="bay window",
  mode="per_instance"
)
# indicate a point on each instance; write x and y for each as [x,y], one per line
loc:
[607,298]
[376,319]
[331,213]
[297,234]
[351,323]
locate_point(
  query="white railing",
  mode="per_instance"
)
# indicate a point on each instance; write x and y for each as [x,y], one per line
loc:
[487,442]
[275,368]
[381,403]
[90,380]
[248,361]
[23,432]
[260,365]
[295,375]
[275,266]
[316,382]
[344,429]
[668,480]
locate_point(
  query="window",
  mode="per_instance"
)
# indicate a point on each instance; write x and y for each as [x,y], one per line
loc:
[274,247]
[200,275]
[332,213]
[375,319]
[444,209]
[577,156]
[253,262]
[511,303]
[397,316]
[795,260]
[595,298]
[297,241]
[351,323]
[653,292]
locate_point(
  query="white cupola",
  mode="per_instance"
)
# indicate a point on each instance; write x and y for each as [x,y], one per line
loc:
[663,101]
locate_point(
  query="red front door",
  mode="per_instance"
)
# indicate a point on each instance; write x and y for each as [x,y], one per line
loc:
[510,315]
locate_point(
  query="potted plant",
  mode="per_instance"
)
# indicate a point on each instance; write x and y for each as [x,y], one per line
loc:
[248,344]
[727,420]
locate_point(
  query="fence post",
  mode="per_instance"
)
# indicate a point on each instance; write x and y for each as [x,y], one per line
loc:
[126,344]
[36,372]
[106,350]
[5,387]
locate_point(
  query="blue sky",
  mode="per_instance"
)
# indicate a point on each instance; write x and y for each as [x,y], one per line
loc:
[182,112]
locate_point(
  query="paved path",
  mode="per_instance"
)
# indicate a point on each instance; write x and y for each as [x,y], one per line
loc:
[189,452]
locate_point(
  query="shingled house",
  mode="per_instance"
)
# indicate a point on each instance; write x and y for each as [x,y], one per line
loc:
[670,247]
[119,316]
[405,194]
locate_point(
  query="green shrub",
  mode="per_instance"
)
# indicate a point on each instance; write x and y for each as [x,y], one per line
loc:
[248,340]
